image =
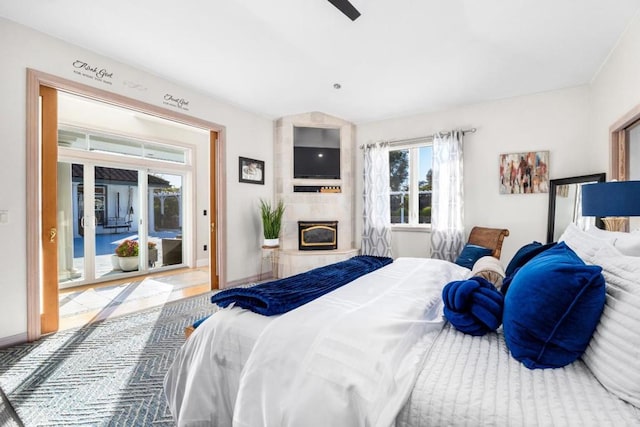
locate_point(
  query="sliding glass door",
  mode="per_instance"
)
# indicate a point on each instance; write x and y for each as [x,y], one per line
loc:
[103,207]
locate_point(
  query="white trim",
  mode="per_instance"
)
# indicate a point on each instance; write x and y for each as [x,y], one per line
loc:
[422,228]
[13,340]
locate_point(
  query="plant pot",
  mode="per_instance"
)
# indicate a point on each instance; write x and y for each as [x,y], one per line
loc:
[115,264]
[271,243]
[128,263]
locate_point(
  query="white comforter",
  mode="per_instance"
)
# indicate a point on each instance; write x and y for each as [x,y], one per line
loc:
[474,381]
[349,358]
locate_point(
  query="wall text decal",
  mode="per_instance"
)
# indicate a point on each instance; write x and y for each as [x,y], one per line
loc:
[180,103]
[88,71]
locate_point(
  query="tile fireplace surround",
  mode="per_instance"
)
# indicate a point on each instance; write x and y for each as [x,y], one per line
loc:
[310,206]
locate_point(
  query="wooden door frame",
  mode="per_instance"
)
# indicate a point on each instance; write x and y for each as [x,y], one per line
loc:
[217,179]
[49,317]
[619,145]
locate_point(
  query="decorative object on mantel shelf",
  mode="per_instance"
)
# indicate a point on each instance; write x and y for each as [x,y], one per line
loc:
[127,253]
[614,200]
[271,222]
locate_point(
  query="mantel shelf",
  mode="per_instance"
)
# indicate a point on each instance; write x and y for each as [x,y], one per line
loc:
[295,252]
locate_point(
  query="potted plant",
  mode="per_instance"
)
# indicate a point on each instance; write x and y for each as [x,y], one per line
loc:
[271,221]
[127,253]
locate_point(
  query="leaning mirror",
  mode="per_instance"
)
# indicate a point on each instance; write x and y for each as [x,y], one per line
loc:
[565,203]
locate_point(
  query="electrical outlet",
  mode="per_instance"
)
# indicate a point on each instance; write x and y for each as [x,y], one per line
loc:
[204,212]
[205,247]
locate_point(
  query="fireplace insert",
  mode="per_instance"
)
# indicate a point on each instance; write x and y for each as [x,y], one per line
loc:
[317,235]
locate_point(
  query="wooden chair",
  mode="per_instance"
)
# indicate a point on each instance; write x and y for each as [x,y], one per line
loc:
[489,238]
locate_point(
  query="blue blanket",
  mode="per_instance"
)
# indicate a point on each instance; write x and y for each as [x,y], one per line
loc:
[280,296]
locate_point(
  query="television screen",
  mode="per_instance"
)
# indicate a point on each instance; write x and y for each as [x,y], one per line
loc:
[316,162]
[316,153]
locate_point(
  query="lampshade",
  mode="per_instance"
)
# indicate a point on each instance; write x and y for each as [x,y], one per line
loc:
[615,198]
[611,199]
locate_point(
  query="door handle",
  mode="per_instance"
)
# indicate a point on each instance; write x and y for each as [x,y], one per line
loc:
[52,235]
[213,226]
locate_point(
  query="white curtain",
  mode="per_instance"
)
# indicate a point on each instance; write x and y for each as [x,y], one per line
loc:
[447,222]
[376,229]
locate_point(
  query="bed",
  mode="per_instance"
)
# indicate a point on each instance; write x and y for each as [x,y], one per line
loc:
[378,352]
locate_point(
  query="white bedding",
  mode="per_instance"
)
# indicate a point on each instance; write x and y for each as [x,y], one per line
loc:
[348,358]
[473,381]
[322,365]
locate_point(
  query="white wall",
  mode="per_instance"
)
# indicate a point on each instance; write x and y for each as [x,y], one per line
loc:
[615,92]
[247,135]
[554,121]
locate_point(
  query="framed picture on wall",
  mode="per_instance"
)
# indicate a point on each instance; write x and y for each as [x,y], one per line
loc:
[251,171]
[524,173]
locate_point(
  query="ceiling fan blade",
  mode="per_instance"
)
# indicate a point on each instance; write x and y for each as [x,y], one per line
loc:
[347,8]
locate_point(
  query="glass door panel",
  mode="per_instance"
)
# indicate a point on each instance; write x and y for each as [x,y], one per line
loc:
[100,208]
[71,221]
[165,222]
[116,211]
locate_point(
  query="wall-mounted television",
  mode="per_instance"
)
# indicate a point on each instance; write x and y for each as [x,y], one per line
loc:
[316,153]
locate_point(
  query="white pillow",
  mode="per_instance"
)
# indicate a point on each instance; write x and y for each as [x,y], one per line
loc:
[627,243]
[613,354]
[585,244]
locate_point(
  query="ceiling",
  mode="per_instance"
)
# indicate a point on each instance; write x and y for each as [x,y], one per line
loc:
[402,57]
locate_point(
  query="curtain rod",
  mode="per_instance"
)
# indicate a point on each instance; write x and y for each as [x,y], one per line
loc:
[427,138]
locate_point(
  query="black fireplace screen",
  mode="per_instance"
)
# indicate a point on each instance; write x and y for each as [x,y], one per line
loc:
[317,235]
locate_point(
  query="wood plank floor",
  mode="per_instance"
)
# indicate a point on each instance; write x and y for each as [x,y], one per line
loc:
[83,305]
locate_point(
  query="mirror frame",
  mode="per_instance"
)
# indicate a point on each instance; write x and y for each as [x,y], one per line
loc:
[553,186]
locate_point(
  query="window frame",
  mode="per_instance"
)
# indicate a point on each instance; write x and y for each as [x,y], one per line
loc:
[414,187]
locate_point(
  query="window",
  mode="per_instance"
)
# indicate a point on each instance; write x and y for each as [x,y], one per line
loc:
[410,180]
[84,141]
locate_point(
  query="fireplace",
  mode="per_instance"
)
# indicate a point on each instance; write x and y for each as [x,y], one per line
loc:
[317,235]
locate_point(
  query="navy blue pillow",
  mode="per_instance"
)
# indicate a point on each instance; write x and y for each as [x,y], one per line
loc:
[552,308]
[470,254]
[524,254]
[521,257]
[473,306]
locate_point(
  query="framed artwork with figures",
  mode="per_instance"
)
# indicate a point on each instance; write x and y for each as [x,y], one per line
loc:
[524,173]
[251,170]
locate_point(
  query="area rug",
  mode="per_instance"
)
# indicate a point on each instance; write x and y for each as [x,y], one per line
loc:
[106,373]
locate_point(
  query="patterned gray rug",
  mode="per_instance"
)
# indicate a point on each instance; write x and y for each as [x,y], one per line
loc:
[107,373]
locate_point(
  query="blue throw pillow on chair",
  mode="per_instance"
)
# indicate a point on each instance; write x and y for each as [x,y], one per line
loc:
[470,254]
[552,308]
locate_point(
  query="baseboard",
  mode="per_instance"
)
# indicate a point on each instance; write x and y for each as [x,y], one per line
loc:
[13,340]
[203,262]
[252,279]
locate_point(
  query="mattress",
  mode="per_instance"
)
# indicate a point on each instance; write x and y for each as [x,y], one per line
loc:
[473,381]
